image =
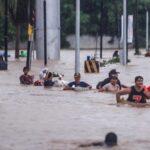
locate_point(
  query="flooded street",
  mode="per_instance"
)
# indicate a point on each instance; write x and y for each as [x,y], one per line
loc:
[34,118]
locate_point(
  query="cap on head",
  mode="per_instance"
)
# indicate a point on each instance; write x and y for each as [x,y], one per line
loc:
[138,78]
[77,74]
[111,139]
[113,71]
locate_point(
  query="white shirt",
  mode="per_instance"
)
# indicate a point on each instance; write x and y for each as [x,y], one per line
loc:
[111,88]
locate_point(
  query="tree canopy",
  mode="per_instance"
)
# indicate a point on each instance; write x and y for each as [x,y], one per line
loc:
[90,18]
[18,11]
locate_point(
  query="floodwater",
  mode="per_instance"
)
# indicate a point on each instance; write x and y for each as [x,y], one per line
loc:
[34,118]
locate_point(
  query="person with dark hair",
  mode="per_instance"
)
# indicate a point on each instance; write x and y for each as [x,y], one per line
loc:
[112,86]
[136,93]
[26,78]
[115,54]
[77,84]
[112,73]
[48,80]
[110,140]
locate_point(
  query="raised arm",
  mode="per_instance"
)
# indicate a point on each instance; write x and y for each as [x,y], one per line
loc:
[122,92]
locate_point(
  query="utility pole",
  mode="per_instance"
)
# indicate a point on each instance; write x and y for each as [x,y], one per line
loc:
[101,30]
[6,29]
[30,35]
[52,29]
[136,29]
[147,30]
[77,51]
[45,35]
[124,32]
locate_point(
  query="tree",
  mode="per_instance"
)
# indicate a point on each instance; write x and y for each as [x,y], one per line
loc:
[90,18]
[18,13]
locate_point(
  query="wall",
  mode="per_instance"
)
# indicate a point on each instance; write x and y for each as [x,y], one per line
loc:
[89,42]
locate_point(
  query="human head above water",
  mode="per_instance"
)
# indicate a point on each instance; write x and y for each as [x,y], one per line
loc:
[110,139]
[113,72]
[25,70]
[77,74]
[77,77]
[137,78]
[113,80]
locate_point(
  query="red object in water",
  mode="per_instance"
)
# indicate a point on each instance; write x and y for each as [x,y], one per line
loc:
[147,88]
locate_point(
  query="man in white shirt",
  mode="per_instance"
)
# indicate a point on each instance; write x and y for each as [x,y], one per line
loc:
[112,86]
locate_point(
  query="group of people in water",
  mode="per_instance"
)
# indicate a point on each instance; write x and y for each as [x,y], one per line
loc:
[138,93]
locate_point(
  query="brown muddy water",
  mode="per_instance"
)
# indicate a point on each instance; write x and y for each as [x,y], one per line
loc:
[34,118]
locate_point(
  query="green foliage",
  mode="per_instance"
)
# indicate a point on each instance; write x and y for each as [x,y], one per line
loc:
[111,61]
[11,32]
[91,17]
[23,32]
[67,20]
[1,33]
[18,11]
[84,22]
